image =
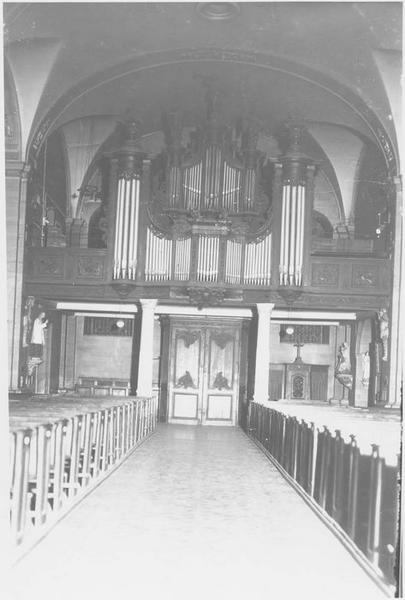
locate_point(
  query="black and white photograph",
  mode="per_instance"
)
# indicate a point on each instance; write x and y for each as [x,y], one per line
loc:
[201,247]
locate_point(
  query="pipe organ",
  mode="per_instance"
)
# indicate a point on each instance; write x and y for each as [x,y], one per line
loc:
[203,214]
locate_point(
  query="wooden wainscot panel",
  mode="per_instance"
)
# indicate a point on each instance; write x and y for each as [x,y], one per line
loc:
[325,275]
[365,276]
[90,267]
[49,266]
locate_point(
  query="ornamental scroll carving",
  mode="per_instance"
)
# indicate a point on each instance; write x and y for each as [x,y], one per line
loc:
[221,339]
[221,382]
[185,381]
[205,296]
[188,337]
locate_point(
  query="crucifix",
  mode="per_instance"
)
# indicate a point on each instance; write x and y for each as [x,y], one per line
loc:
[298,358]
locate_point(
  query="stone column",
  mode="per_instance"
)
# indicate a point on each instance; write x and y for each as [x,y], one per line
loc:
[261,391]
[145,366]
[16,198]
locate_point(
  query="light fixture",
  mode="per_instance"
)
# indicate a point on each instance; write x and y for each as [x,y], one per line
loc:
[120,323]
[289,330]
[217,11]
[383,222]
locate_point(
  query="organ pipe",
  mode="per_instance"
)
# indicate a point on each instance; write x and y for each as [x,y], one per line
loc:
[182,259]
[158,264]
[126,229]
[127,206]
[233,261]
[293,211]
[257,267]
[208,258]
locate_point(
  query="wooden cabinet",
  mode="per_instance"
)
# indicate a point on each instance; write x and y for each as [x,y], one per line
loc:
[298,381]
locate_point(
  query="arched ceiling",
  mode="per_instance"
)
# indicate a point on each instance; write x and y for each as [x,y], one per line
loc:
[98,42]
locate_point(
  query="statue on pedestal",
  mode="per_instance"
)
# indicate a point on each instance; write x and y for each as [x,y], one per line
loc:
[384,331]
[343,371]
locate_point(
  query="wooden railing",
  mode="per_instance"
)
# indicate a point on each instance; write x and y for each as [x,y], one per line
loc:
[89,267]
[356,494]
[53,466]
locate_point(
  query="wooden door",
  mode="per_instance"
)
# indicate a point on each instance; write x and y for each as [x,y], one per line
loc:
[319,382]
[203,372]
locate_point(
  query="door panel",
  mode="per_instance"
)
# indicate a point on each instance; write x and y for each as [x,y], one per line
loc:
[185,406]
[186,375]
[219,407]
[319,382]
[204,372]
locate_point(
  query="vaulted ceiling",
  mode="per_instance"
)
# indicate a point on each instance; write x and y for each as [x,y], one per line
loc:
[330,64]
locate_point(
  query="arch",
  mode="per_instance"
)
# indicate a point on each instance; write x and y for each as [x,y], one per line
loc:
[272,62]
[321,226]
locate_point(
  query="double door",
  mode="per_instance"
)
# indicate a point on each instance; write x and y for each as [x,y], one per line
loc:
[203,375]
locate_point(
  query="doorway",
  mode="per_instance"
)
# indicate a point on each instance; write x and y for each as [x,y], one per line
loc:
[203,373]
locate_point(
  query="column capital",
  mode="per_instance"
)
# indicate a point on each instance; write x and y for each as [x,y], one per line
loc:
[148,304]
[264,308]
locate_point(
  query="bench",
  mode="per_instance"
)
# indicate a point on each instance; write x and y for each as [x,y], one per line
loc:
[101,386]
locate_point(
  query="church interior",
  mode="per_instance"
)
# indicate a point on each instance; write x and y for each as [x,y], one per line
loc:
[204,239]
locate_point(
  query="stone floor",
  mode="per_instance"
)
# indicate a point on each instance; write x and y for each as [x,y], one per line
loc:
[195,512]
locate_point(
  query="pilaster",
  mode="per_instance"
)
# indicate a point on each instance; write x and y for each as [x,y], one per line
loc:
[262,366]
[145,366]
[16,200]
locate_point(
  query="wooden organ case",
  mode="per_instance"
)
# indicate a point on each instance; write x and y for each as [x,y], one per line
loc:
[198,216]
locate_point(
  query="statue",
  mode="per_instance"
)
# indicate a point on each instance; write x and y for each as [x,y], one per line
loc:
[366,368]
[384,331]
[38,336]
[343,367]
[27,321]
[343,359]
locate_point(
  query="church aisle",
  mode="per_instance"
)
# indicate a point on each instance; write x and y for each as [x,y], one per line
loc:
[195,512]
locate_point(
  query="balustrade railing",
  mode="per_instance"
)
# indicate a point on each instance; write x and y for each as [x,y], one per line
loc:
[55,464]
[357,493]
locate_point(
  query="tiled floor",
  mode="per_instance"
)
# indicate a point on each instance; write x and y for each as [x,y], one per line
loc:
[194,513]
